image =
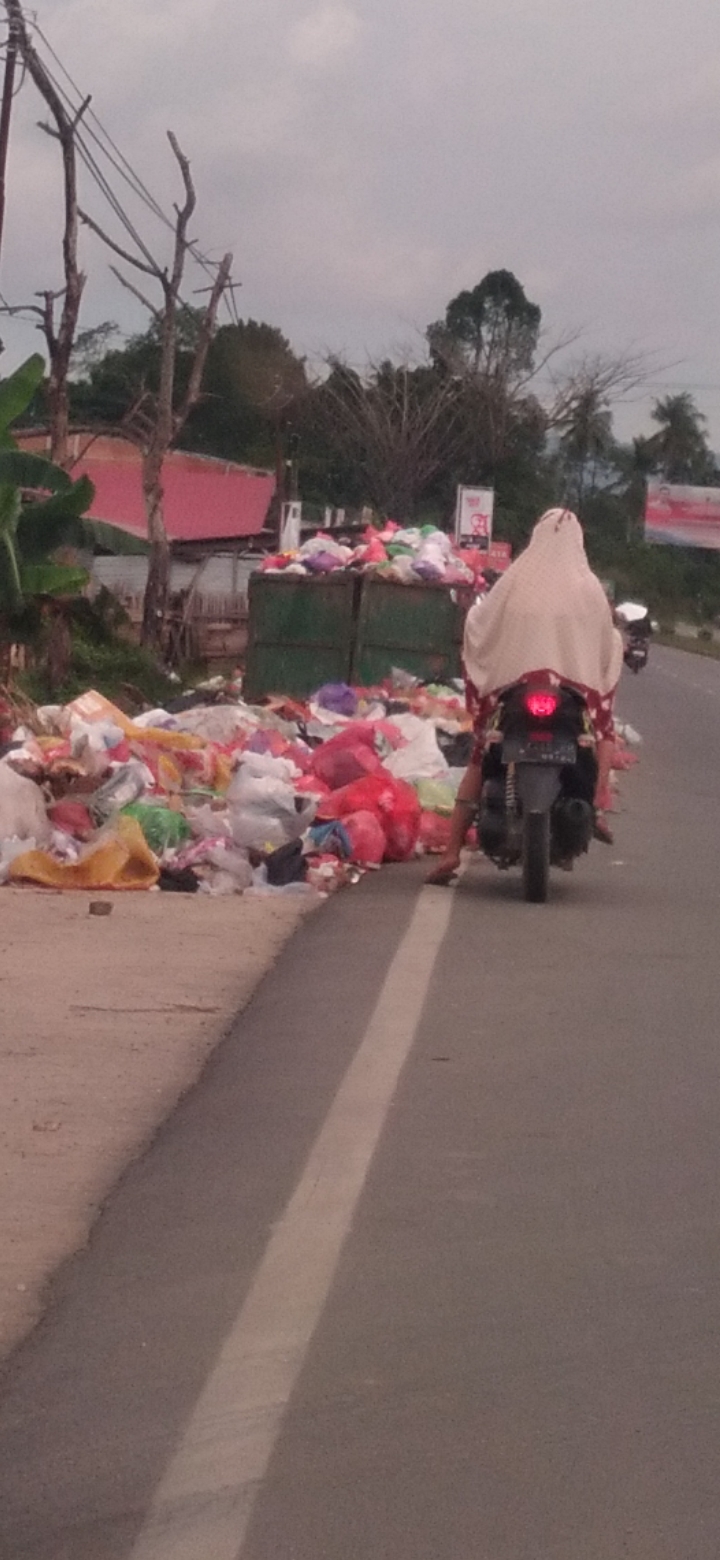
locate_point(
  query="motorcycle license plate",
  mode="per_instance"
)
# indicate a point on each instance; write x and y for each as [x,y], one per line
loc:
[539,750]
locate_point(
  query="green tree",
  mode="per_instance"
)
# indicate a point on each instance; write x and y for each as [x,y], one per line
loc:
[42,510]
[491,330]
[487,345]
[680,448]
[254,392]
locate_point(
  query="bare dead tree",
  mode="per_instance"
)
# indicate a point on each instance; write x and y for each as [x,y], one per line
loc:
[156,420]
[580,412]
[598,377]
[397,422]
[58,311]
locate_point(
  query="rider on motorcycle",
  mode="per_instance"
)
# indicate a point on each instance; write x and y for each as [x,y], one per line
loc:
[547,617]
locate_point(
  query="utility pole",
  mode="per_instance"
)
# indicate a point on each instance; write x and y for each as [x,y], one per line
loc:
[5,110]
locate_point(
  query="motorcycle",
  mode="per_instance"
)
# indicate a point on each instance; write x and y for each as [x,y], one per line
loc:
[635,654]
[538,782]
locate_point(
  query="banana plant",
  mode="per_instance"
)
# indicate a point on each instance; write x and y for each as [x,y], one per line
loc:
[42,510]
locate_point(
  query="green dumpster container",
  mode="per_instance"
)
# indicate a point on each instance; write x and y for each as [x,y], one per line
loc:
[416,627]
[301,632]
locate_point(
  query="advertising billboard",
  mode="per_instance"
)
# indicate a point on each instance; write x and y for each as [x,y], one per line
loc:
[682,516]
[474,515]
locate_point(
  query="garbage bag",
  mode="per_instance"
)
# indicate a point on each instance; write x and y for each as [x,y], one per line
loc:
[22,808]
[261,766]
[72,817]
[118,858]
[178,880]
[436,796]
[163,828]
[311,785]
[394,803]
[337,697]
[266,813]
[367,838]
[347,757]
[434,835]
[9,850]
[286,865]
[421,758]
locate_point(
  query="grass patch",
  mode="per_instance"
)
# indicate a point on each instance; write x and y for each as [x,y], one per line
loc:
[706,647]
[124,673]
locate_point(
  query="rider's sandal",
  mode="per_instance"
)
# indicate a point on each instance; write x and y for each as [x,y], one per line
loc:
[602,830]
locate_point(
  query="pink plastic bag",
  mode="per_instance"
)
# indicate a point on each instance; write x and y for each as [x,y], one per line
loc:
[394,803]
[347,757]
[434,833]
[367,838]
[402,823]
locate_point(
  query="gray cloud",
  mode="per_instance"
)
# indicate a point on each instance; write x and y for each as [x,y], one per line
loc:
[365,160]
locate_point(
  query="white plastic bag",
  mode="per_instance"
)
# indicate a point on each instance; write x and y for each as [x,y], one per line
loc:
[265,813]
[421,758]
[22,808]
[262,766]
[9,851]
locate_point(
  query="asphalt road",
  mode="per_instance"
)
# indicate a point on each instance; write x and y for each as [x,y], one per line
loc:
[427,1266]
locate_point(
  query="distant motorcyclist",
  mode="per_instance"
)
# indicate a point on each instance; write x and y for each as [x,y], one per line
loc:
[548,616]
[634,620]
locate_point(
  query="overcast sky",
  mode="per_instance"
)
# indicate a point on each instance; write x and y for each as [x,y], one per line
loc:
[366,159]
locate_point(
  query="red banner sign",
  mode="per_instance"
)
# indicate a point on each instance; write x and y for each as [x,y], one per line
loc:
[682,516]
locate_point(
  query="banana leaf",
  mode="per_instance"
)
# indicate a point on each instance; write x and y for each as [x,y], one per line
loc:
[55,522]
[17,391]
[52,579]
[11,592]
[25,470]
[98,533]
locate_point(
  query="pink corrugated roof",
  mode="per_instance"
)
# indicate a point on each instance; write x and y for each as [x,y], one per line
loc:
[205,499]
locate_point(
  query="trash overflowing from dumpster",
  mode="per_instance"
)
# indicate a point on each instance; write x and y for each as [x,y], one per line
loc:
[408,554]
[219,796]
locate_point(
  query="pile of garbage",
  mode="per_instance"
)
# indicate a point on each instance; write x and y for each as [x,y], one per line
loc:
[408,554]
[219,796]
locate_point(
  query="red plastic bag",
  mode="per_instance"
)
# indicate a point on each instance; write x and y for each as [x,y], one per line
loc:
[434,833]
[313,785]
[402,823]
[372,550]
[73,818]
[347,757]
[367,838]
[394,803]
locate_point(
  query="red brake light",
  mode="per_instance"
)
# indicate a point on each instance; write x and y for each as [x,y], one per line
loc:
[541,704]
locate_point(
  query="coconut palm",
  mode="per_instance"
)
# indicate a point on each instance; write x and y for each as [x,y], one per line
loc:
[680,449]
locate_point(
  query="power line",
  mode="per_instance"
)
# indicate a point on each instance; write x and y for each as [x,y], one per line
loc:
[124,168]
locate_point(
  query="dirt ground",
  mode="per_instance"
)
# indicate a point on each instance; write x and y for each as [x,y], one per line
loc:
[106,1022]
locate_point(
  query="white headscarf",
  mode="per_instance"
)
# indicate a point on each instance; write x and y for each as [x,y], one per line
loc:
[549,612]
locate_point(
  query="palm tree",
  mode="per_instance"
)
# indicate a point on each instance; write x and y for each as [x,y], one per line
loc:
[586,442]
[680,449]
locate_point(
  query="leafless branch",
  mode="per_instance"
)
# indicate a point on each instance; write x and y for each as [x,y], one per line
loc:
[135,292]
[602,377]
[192,394]
[117,249]
[60,340]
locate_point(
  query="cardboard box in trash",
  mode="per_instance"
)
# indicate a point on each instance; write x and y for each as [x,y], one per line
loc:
[93,707]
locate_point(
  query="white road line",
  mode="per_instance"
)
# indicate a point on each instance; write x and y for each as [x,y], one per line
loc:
[203,1505]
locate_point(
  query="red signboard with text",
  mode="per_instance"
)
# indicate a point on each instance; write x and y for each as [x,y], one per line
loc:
[682,516]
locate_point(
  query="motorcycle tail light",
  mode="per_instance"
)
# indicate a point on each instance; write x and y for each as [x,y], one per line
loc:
[541,703]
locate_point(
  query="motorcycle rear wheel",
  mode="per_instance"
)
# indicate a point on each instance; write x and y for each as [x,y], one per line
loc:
[536,857]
